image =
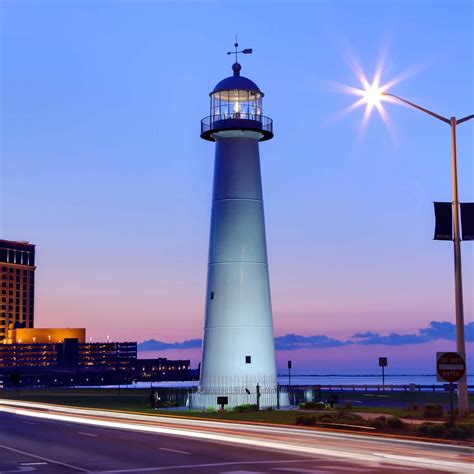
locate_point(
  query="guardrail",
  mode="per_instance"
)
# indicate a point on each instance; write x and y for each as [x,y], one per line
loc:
[378,387]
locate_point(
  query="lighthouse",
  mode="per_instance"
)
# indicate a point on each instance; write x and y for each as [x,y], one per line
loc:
[238,358]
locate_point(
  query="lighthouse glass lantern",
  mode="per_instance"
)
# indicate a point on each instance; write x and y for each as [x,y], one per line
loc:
[236,104]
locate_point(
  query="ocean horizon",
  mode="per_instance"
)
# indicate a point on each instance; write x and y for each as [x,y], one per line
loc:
[360,380]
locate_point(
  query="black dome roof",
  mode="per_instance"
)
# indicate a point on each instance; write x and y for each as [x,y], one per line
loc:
[236,82]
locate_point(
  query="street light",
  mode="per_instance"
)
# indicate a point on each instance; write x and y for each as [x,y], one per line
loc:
[463,404]
[372,95]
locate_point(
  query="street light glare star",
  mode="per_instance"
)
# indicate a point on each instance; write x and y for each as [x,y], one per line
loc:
[373,95]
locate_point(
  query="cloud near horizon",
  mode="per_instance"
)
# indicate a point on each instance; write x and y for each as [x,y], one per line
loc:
[291,342]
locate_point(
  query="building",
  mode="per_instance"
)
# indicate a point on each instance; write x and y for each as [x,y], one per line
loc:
[161,368]
[28,355]
[70,353]
[238,345]
[106,354]
[17,273]
[38,335]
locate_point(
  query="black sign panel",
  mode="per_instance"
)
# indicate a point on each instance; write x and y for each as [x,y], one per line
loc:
[444,221]
[467,220]
[383,361]
[222,400]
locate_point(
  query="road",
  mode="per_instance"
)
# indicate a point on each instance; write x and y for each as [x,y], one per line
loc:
[51,439]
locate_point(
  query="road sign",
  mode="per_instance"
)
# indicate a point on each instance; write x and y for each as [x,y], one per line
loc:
[383,361]
[450,367]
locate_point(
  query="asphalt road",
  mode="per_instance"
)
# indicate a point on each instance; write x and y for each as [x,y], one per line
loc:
[34,444]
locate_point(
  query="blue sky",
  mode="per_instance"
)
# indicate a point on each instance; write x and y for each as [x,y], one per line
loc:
[103,168]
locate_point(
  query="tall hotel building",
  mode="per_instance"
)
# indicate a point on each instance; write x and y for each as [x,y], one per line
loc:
[17,270]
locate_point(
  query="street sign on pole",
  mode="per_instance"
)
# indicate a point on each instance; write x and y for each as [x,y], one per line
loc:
[450,367]
[383,362]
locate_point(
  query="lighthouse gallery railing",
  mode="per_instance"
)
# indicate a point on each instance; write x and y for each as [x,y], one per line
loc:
[237,121]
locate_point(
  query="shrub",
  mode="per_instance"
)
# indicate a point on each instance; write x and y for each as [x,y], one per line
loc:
[423,428]
[469,426]
[457,432]
[327,418]
[432,411]
[436,430]
[305,420]
[245,408]
[350,419]
[395,423]
[312,406]
[348,406]
[211,410]
[379,422]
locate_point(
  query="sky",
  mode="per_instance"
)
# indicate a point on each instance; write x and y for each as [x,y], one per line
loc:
[103,169]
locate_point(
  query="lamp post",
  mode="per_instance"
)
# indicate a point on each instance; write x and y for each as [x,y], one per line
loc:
[463,404]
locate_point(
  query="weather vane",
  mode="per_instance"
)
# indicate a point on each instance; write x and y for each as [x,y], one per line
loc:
[236,52]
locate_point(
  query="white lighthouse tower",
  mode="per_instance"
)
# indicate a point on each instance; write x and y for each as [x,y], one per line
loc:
[238,349]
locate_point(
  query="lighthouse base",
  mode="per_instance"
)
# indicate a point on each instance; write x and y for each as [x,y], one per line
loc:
[269,397]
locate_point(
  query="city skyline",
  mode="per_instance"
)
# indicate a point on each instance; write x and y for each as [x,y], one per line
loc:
[103,169]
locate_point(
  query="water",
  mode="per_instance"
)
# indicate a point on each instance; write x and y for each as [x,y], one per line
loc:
[315,380]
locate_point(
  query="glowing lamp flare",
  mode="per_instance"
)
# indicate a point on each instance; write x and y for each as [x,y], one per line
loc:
[371,95]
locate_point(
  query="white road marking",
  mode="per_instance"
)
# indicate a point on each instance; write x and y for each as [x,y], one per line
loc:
[22,469]
[53,461]
[200,466]
[242,472]
[33,463]
[300,469]
[348,469]
[87,434]
[436,463]
[175,451]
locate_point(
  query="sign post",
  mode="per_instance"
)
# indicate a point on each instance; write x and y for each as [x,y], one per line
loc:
[451,367]
[383,362]
[289,373]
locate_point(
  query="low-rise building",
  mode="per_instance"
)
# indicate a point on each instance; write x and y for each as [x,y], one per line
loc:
[69,353]
[43,335]
[161,368]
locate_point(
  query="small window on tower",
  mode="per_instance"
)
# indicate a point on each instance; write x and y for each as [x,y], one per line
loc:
[212,295]
[248,359]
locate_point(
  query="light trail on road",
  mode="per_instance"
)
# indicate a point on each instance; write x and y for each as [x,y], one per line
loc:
[361,449]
